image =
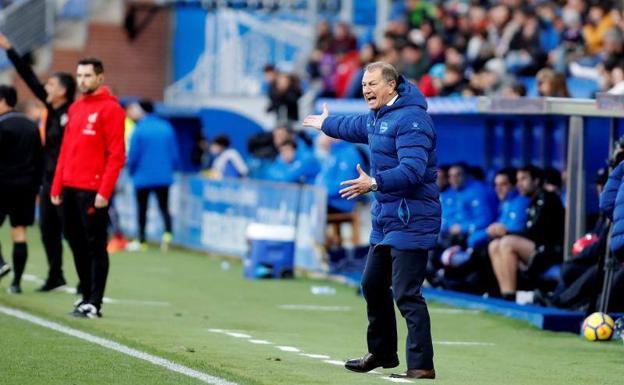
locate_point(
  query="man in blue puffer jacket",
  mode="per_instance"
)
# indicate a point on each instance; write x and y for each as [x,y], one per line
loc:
[612,205]
[406,214]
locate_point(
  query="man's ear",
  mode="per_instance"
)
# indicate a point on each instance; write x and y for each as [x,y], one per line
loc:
[393,83]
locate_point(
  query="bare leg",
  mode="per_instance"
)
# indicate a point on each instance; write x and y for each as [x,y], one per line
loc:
[495,258]
[513,250]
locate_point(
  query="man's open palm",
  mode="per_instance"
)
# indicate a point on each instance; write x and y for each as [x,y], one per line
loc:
[316,121]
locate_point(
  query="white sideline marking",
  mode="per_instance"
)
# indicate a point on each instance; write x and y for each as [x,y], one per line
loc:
[288,349]
[238,335]
[319,356]
[453,311]
[315,308]
[464,343]
[261,342]
[398,380]
[72,290]
[159,361]
[334,362]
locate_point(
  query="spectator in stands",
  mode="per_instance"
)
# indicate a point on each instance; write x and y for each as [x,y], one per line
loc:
[368,54]
[152,160]
[599,21]
[514,90]
[270,75]
[324,37]
[542,238]
[292,166]
[338,164]
[552,84]
[21,161]
[418,11]
[227,163]
[453,81]
[343,41]
[284,98]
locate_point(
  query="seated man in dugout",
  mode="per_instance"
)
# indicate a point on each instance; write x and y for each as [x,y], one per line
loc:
[543,232]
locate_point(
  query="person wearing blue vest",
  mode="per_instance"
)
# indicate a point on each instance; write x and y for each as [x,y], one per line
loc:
[511,212]
[293,165]
[405,214]
[469,204]
[338,165]
[152,159]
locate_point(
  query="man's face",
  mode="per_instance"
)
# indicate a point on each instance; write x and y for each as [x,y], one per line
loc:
[502,186]
[377,92]
[54,89]
[86,78]
[287,153]
[280,135]
[525,184]
[456,177]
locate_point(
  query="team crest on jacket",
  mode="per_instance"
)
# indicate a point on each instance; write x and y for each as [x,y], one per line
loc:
[383,127]
[91,119]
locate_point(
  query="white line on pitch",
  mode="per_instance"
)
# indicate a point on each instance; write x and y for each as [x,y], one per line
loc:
[112,345]
[72,290]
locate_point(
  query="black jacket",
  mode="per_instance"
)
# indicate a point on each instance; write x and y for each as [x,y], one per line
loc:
[55,122]
[545,220]
[20,153]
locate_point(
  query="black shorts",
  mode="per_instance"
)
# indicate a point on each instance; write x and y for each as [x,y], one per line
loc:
[19,206]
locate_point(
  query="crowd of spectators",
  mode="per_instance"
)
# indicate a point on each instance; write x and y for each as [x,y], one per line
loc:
[472,48]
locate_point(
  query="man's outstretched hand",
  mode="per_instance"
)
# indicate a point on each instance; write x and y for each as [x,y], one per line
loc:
[357,187]
[316,121]
[4,42]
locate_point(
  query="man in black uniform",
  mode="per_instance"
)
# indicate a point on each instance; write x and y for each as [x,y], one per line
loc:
[20,176]
[57,95]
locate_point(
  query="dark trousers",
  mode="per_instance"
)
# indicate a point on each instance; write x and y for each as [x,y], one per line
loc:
[400,272]
[51,235]
[162,195]
[85,229]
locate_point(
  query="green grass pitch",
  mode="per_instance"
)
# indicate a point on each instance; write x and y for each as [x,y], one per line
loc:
[171,304]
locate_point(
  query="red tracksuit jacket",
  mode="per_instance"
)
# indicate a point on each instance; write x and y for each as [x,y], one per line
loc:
[93,150]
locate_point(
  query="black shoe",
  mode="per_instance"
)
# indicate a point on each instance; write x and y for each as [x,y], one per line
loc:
[416,373]
[14,289]
[87,310]
[542,299]
[4,269]
[369,362]
[50,285]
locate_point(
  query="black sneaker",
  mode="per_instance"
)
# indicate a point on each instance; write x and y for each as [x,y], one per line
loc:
[50,285]
[14,289]
[4,269]
[87,310]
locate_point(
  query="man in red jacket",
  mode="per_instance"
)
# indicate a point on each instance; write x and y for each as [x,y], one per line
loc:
[92,155]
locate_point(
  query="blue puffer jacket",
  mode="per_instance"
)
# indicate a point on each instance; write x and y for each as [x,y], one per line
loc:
[154,154]
[612,205]
[512,215]
[340,165]
[402,142]
[302,169]
[471,208]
